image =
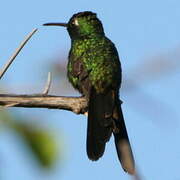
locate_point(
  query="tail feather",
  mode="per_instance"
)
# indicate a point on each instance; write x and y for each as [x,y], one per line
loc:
[122,143]
[104,117]
[98,130]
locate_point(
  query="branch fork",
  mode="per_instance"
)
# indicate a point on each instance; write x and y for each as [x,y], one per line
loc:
[77,105]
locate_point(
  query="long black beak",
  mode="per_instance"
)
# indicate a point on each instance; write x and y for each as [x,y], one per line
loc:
[56,24]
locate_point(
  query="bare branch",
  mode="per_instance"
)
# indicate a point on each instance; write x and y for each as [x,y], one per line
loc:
[48,84]
[16,53]
[77,105]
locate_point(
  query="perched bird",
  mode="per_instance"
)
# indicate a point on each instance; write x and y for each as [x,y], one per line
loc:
[94,70]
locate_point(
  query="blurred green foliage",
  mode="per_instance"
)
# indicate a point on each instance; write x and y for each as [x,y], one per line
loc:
[41,141]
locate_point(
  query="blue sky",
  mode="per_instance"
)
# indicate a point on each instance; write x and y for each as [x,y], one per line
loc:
[146,34]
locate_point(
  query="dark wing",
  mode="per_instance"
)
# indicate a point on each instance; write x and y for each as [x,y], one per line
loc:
[80,72]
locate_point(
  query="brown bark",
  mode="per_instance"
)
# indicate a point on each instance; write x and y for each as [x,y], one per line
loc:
[77,105]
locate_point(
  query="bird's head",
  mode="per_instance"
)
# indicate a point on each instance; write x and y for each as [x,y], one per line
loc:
[82,25]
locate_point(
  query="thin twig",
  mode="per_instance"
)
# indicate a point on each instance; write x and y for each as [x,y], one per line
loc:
[48,84]
[16,53]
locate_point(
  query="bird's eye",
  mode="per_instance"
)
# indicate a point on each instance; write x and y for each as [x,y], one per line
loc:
[75,22]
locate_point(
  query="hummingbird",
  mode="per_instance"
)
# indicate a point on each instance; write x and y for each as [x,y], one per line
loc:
[94,70]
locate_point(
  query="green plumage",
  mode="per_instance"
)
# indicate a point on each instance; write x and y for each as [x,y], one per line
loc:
[94,70]
[99,60]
